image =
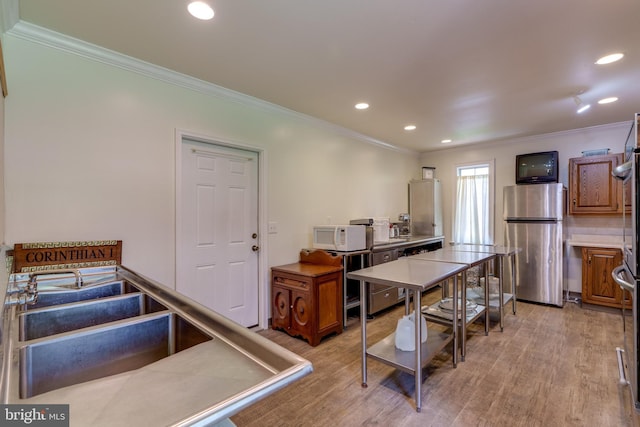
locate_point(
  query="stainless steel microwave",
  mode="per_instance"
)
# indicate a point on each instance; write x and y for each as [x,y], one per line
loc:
[339,237]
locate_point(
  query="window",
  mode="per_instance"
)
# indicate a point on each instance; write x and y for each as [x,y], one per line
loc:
[473,218]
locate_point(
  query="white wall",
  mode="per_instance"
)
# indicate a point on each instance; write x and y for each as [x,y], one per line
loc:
[568,144]
[90,155]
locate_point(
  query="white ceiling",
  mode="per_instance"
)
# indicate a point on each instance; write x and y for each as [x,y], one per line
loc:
[469,70]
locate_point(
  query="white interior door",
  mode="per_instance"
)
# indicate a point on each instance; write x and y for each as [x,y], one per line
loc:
[217,259]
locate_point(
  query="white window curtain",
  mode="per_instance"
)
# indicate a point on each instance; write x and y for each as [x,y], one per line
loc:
[471,223]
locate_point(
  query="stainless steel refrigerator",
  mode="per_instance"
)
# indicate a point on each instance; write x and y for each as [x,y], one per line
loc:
[533,217]
[425,207]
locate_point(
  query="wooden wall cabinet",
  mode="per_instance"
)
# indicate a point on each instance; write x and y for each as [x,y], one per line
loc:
[307,299]
[592,188]
[598,286]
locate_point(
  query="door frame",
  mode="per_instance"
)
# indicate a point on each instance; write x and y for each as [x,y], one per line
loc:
[180,135]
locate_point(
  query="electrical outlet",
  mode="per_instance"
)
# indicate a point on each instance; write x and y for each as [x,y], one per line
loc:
[273,227]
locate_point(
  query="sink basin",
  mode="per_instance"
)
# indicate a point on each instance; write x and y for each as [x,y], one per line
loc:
[71,358]
[51,297]
[52,320]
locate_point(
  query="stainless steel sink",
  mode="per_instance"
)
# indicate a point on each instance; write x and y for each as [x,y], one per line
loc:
[131,340]
[97,352]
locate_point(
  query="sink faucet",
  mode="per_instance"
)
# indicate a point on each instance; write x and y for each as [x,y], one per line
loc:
[28,294]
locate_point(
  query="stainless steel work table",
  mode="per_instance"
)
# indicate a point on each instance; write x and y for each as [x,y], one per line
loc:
[502,252]
[468,259]
[401,243]
[417,276]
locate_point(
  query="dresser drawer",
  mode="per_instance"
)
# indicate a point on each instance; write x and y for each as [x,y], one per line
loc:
[382,299]
[385,256]
[292,280]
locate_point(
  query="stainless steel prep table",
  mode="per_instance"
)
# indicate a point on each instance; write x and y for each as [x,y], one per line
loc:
[414,275]
[468,259]
[502,252]
[402,243]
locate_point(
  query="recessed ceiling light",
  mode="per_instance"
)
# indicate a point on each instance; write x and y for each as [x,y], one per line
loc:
[581,106]
[608,59]
[410,127]
[608,100]
[362,106]
[200,10]
[445,141]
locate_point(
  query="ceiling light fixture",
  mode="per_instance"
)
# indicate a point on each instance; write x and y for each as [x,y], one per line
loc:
[362,106]
[200,10]
[445,141]
[582,107]
[410,127]
[608,59]
[608,100]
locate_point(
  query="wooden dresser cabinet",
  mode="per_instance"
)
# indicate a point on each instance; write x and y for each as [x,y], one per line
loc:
[598,286]
[592,189]
[307,296]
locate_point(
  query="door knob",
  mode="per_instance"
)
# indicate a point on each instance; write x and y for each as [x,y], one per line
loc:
[255,248]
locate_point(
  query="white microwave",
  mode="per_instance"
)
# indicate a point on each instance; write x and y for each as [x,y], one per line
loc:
[339,237]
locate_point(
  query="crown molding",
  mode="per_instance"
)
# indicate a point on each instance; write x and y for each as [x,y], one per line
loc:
[36,34]
[9,14]
[536,137]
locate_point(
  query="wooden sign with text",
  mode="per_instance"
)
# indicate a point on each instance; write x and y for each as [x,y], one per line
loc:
[28,257]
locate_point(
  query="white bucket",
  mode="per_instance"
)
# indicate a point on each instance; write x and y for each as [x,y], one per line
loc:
[406,333]
[494,285]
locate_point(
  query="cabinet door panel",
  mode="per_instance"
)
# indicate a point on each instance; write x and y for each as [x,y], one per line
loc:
[598,286]
[592,188]
[280,309]
[329,311]
[301,311]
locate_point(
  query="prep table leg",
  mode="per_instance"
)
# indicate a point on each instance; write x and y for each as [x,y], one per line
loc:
[513,281]
[407,301]
[363,322]
[486,298]
[417,294]
[501,291]
[344,290]
[455,321]
[463,315]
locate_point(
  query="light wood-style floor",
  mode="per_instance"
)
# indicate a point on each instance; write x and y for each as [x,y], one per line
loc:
[550,367]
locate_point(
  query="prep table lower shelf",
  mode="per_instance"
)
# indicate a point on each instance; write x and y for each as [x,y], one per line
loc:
[433,313]
[478,297]
[385,351]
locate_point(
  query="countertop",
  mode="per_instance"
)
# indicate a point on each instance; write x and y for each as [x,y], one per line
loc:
[405,242]
[596,241]
[408,272]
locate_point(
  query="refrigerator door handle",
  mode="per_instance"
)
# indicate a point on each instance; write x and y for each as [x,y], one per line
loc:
[623,171]
[616,274]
